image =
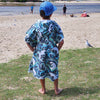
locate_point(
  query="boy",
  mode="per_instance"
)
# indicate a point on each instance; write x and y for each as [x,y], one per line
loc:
[45,39]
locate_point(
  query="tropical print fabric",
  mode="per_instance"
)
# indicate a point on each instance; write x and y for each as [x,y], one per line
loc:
[44,36]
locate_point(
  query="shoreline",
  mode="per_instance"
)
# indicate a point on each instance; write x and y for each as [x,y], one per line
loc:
[38,3]
[74,8]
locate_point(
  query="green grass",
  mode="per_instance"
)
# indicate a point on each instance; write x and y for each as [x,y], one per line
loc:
[79,76]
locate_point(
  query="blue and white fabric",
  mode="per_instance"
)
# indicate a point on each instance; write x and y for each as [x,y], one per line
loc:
[44,36]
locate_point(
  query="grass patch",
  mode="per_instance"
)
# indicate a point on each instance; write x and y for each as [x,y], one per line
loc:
[79,77]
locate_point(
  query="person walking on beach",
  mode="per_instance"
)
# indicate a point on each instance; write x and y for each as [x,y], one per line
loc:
[45,39]
[31,9]
[64,9]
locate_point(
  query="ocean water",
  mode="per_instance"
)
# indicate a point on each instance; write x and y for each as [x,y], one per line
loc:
[71,8]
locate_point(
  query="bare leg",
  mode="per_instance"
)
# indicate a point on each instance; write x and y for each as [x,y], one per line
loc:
[57,90]
[42,90]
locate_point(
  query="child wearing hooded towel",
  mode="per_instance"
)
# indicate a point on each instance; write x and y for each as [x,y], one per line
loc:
[45,39]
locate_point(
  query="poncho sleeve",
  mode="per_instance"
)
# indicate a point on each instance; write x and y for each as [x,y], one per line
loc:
[31,36]
[59,34]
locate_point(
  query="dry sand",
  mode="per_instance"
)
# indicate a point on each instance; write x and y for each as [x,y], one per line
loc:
[76,30]
[38,3]
[78,1]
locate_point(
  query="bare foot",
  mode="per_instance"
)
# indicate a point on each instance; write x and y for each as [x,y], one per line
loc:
[58,92]
[42,91]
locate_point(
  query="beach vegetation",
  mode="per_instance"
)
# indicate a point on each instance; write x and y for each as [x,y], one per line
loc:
[79,77]
[21,0]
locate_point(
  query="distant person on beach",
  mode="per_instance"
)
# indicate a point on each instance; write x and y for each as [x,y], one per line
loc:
[45,39]
[64,9]
[32,7]
[84,14]
[71,15]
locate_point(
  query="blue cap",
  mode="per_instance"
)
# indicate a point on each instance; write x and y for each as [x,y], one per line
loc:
[48,8]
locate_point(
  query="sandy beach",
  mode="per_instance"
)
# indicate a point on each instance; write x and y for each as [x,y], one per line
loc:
[76,30]
[78,1]
[38,3]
